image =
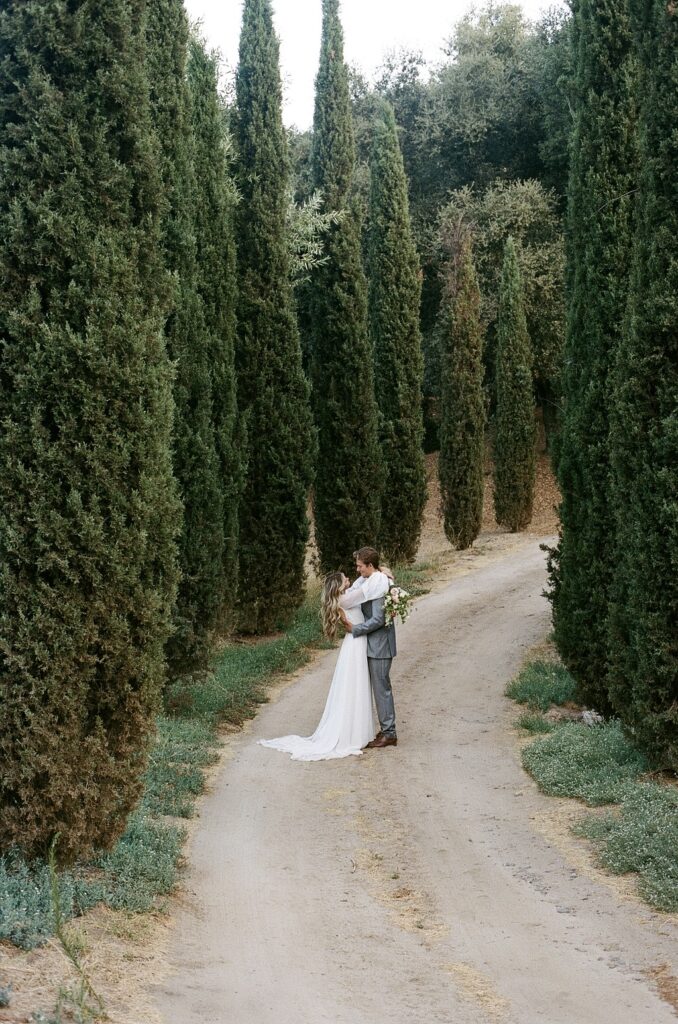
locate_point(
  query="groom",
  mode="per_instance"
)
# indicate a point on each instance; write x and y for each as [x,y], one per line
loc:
[381,642]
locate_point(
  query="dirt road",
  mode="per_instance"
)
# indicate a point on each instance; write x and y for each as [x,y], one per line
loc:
[416,884]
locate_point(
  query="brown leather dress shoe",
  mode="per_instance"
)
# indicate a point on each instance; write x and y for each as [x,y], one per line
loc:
[382,741]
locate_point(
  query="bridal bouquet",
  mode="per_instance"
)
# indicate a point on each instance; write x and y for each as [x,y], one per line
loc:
[396,602]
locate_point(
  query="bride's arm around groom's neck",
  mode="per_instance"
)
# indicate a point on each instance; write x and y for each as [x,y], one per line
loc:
[376,586]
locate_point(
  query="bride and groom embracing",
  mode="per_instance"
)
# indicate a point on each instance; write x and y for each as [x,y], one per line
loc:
[362,669]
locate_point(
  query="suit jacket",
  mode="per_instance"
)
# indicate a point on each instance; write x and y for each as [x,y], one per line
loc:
[381,639]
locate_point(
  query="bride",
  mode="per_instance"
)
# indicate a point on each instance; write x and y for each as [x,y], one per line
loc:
[347,724]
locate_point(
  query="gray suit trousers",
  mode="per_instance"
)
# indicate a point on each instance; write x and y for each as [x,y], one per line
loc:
[380,677]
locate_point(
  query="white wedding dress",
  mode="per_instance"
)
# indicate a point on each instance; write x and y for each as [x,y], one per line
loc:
[347,723]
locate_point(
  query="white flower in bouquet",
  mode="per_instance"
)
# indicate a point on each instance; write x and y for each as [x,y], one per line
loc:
[397,602]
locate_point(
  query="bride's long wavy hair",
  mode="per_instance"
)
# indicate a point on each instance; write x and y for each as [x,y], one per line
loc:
[329,604]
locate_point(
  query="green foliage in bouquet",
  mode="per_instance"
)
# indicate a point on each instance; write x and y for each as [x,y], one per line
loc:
[273,392]
[88,505]
[394,296]
[514,436]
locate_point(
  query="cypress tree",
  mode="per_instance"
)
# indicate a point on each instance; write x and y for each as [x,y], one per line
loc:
[515,430]
[462,406]
[602,176]
[643,653]
[394,296]
[347,497]
[196,463]
[272,389]
[88,509]
[216,283]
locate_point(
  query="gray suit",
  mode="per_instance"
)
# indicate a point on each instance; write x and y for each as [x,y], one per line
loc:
[381,649]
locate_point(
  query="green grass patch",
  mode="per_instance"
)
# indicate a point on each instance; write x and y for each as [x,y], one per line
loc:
[542,684]
[26,912]
[592,763]
[535,723]
[175,774]
[641,837]
[241,672]
[143,865]
[600,765]
[414,578]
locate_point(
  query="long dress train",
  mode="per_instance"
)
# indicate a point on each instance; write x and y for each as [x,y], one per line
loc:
[347,723]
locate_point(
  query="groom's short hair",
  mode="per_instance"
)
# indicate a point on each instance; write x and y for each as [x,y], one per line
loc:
[369,556]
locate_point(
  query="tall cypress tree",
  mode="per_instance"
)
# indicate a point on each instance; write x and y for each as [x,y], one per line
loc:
[602,177]
[347,498]
[515,430]
[394,296]
[272,389]
[88,509]
[216,284]
[643,652]
[196,463]
[462,406]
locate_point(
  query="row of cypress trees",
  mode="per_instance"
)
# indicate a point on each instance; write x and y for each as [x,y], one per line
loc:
[158,443]
[462,395]
[202,352]
[365,348]
[362,447]
[366,363]
[615,597]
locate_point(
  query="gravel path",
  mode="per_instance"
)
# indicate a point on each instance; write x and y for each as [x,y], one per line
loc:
[415,884]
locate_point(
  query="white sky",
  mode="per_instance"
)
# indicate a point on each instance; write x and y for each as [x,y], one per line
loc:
[371,27]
